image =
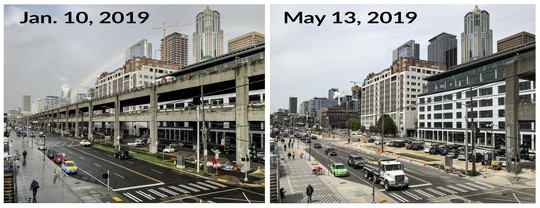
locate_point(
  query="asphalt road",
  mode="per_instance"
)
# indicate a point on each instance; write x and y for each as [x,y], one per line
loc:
[140,181]
[427,184]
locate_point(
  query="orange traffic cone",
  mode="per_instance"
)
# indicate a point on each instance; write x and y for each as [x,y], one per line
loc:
[424,164]
[439,167]
[453,172]
[410,160]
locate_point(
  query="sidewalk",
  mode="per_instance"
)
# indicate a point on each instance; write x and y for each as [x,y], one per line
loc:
[54,188]
[297,174]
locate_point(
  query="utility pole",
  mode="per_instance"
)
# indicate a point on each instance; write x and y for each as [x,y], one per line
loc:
[473,128]
[204,134]
[164,40]
[382,127]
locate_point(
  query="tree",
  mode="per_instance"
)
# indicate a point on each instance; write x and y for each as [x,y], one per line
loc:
[389,125]
[373,129]
[353,123]
[363,128]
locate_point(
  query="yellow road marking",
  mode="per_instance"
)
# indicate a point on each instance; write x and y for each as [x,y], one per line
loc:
[260,172]
[119,165]
[262,184]
[117,199]
[417,178]
[491,181]
[532,173]
[382,199]
[222,180]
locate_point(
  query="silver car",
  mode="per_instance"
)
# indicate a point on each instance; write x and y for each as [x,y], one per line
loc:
[42,147]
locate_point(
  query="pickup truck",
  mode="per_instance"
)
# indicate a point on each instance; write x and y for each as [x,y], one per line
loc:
[387,172]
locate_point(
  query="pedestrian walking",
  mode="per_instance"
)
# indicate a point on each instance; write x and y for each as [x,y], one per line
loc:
[34,187]
[284,147]
[293,155]
[290,143]
[309,192]
[302,155]
[289,155]
[24,154]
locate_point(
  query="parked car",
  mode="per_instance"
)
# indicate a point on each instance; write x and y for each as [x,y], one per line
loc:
[84,143]
[308,141]
[434,150]
[356,161]
[313,137]
[338,169]
[161,146]
[168,149]
[136,143]
[41,134]
[417,147]
[377,142]
[371,140]
[32,134]
[260,155]
[461,156]
[51,153]
[409,146]
[69,167]
[122,154]
[502,160]
[317,145]
[42,146]
[443,151]
[453,153]
[478,157]
[426,150]
[59,157]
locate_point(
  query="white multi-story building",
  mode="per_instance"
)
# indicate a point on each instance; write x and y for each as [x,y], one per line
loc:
[394,92]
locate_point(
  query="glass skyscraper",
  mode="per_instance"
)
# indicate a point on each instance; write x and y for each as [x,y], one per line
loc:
[408,49]
[477,38]
[208,35]
[140,49]
[443,48]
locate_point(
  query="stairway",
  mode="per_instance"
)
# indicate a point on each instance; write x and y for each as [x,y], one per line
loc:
[273,188]
[9,189]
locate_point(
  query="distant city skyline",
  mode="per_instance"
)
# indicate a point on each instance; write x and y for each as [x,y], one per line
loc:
[40,61]
[334,55]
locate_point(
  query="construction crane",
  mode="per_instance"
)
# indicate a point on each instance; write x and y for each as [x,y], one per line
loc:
[164,41]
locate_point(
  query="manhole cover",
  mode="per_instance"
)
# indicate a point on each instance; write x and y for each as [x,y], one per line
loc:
[457,201]
[189,200]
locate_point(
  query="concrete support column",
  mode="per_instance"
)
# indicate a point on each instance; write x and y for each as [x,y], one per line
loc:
[153,140]
[77,120]
[58,120]
[116,132]
[90,124]
[511,109]
[242,124]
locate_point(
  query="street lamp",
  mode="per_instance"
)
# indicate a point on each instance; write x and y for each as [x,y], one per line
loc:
[492,125]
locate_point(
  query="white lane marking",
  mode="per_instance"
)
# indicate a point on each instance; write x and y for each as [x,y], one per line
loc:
[456,188]
[484,184]
[188,188]
[445,189]
[420,185]
[466,187]
[64,143]
[179,189]
[129,162]
[119,175]
[476,186]
[168,191]
[398,197]
[134,198]
[156,171]
[135,187]
[71,144]
[207,185]
[148,196]
[217,184]
[157,193]
[197,186]
[97,165]
[110,155]
[435,191]
[412,195]
[81,157]
[233,199]
[424,193]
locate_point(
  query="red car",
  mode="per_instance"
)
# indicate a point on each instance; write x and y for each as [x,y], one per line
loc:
[409,146]
[60,157]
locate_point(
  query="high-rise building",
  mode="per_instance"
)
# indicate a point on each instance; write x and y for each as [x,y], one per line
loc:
[51,102]
[408,49]
[443,48]
[304,108]
[26,103]
[357,98]
[176,49]
[37,106]
[208,35]
[140,49]
[247,40]
[331,93]
[515,40]
[394,92]
[293,104]
[316,104]
[477,39]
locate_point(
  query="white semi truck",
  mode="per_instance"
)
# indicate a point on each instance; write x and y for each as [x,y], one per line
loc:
[387,172]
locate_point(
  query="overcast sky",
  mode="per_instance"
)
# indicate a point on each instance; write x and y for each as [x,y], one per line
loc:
[306,60]
[39,59]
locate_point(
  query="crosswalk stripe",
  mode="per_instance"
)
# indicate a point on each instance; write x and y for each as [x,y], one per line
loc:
[412,195]
[207,185]
[157,193]
[435,191]
[148,196]
[467,187]
[484,184]
[179,189]
[217,184]
[476,186]
[456,188]
[398,197]
[168,191]
[134,198]
[447,190]
[199,187]
[188,188]
[424,193]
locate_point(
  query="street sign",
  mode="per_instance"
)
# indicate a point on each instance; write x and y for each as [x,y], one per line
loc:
[379,150]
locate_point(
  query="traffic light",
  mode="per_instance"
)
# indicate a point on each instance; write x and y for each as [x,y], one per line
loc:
[253,153]
[227,144]
[105,176]
[477,132]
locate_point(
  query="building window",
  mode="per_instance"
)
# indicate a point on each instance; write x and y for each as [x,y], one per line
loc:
[486,114]
[447,115]
[501,113]
[501,124]
[525,125]
[486,91]
[447,124]
[475,103]
[502,89]
[437,116]
[525,98]
[447,106]
[458,125]
[421,124]
[151,69]
[429,108]
[429,124]
[473,115]
[437,124]
[422,116]
[421,100]
[458,95]
[501,101]
[474,93]
[458,105]
[437,98]
[437,107]
[485,103]
[428,116]
[448,97]
[421,109]
[458,114]
[524,85]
